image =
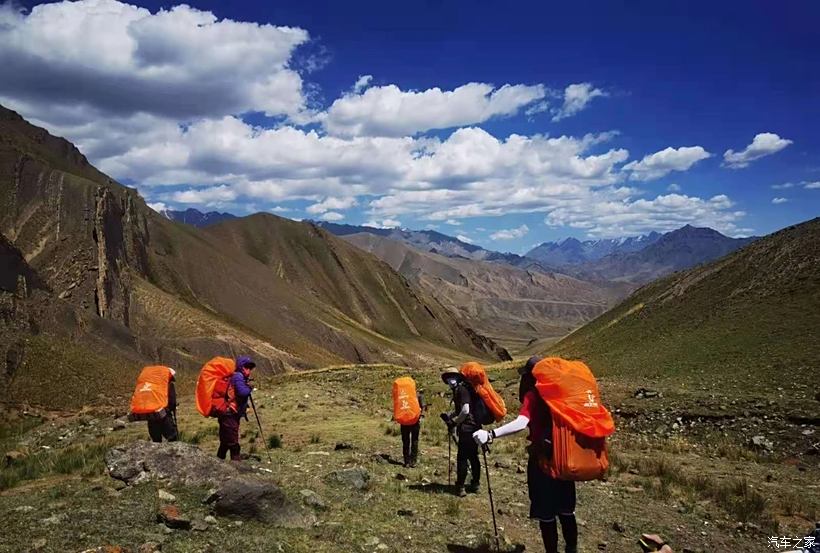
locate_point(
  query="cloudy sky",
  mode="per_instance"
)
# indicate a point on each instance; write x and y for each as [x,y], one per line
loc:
[506,127]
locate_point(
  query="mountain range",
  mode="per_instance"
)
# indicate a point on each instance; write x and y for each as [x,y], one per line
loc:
[98,283]
[572,251]
[196,218]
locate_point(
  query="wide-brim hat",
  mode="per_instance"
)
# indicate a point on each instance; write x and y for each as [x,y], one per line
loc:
[452,377]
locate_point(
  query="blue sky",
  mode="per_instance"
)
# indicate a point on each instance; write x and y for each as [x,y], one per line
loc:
[614,120]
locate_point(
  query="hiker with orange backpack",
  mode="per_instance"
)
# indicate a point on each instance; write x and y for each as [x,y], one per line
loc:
[408,410]
[476,404]
[560,404]
[155,401]
[237,394]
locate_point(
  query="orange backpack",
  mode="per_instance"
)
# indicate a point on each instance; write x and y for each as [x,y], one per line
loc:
[151,392]
[475,374]
[580,423]
[213,394]
[406,408]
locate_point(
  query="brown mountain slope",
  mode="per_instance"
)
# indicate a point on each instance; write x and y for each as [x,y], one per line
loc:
[511,305]
[288,293]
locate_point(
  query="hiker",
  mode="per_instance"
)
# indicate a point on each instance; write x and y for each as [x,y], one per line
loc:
[550,498]
[239,390]
[463,421]
[408,410]
[155,401]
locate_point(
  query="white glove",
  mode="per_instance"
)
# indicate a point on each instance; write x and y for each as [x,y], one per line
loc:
[482,437]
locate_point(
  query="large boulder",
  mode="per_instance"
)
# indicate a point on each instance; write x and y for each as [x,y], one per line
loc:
[258,500]
[173,462]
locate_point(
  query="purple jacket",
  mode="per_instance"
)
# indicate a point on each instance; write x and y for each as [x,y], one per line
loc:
[242,392]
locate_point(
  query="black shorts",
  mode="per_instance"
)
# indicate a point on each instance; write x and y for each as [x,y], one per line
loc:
[548,496]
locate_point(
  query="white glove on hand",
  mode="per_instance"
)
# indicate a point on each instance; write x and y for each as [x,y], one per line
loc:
[482,437]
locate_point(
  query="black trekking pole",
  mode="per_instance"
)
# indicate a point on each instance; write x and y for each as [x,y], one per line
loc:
[261,434]
[484,449]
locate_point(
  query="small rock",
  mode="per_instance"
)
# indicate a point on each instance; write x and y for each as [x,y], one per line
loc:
[24,509]
[199,525]
[210,519]
[54,519]
[312,499]
[169,516]
[519,469]
[165,496]
[501,464]
[761,442]
[602,546]
[119,424]
[119,485]
[342,446]
[13,457]
[618,527]
[150,547]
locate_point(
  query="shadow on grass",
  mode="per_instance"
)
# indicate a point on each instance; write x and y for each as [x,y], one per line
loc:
[434,487]
[484,548]
[390,460]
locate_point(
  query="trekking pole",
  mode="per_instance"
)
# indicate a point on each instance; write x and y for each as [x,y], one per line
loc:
[449,460]
[261,434]
[484,449]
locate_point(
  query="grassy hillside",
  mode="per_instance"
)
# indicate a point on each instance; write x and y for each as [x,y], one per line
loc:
[749,319]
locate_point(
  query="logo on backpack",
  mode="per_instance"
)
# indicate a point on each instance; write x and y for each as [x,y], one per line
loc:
[590,400]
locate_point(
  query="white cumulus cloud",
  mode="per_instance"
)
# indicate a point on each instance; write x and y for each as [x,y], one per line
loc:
[384,223]
[390,111]
[108,57]
[510,234]
[659,164]
[576,98]
[361,83]
[763,144]
[673,188]
[812,185]
[331,216]
[627,217]
[331,203]
[779,200]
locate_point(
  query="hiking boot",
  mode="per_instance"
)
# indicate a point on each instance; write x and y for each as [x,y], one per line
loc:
[412,464]
[472,487]
[460,492]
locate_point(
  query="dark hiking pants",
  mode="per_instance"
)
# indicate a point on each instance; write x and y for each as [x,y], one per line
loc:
[229,436]
[467,457]
[410,442]
[163,428]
